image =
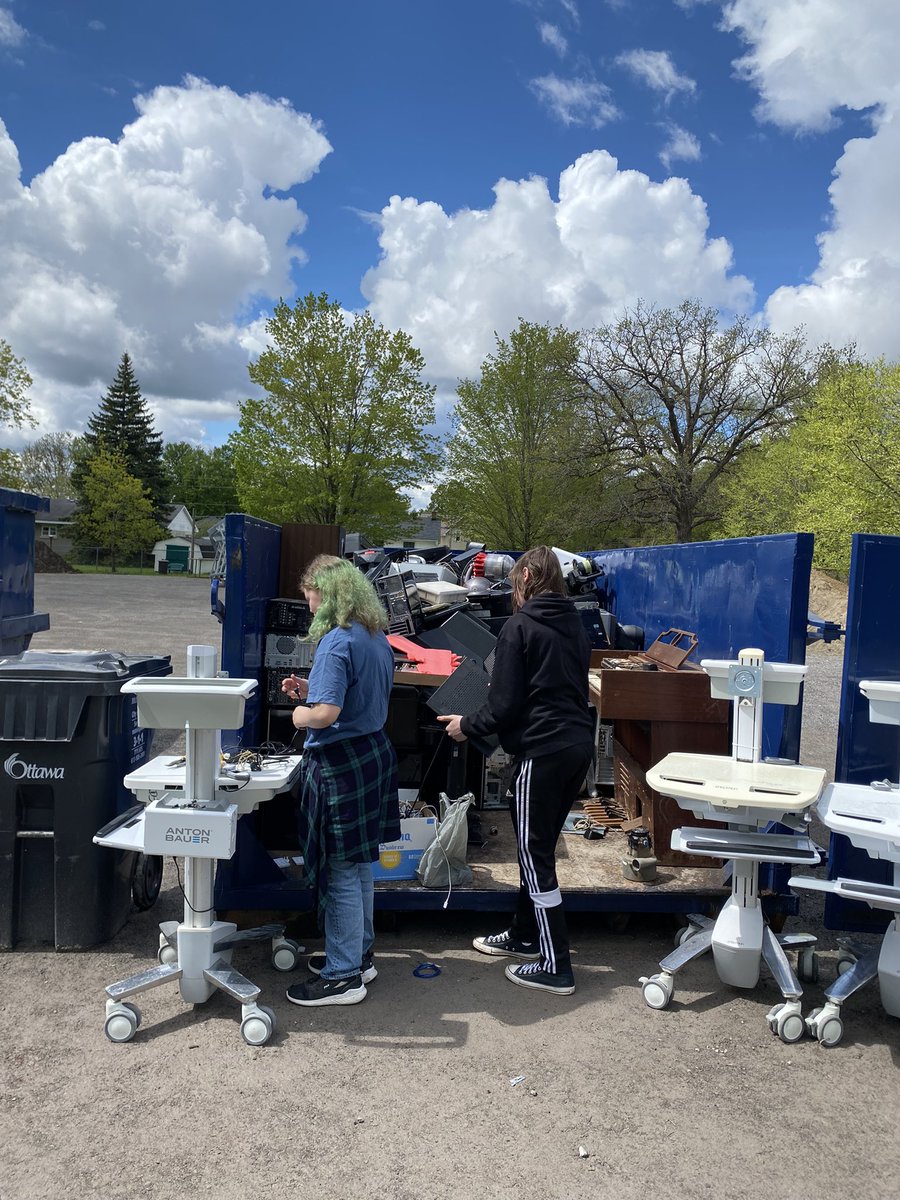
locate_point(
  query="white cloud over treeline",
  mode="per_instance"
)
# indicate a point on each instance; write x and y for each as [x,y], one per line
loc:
[809,60]
[607,238]
[159,244]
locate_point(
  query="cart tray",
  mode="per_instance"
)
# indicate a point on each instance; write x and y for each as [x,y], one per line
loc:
[726,783]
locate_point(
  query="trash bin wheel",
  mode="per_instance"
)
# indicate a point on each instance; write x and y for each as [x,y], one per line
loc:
[147,881]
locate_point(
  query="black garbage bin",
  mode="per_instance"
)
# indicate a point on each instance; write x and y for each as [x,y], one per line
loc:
[67,739]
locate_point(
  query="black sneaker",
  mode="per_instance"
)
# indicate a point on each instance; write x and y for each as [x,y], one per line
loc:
[316,964]
[328,991]
[532,975]
[506,946]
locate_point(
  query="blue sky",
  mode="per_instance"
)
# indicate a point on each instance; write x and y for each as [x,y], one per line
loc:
[167,171]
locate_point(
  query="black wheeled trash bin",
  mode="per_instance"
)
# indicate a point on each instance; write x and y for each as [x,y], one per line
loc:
[67,739]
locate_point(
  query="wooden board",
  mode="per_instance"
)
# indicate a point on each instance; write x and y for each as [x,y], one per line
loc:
[299,546]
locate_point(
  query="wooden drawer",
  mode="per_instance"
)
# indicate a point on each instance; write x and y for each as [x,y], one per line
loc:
[661,814]
[681,695]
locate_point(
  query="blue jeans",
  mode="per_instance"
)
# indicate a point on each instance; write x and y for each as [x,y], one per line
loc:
[349,932]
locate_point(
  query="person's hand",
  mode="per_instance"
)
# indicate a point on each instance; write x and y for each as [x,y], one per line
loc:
[452,727]
[294,686]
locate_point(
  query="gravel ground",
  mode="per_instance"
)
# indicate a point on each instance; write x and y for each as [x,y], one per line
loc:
[458,1086]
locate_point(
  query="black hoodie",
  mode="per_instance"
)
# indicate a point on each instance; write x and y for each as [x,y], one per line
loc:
[538,698]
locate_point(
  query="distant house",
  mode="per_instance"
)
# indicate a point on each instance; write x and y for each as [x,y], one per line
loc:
[427,532]
[55,526]
[183,534]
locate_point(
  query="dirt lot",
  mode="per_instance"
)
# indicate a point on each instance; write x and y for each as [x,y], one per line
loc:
[411,1094]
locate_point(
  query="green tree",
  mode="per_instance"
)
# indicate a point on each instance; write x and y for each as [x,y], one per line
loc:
[510,453]
[123,425]
[675,398]
[341,429]
[835,473]
[115,511]
[200,479]
[47,465]
[15,410]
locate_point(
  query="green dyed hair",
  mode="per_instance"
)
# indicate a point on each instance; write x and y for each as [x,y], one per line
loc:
[346,596]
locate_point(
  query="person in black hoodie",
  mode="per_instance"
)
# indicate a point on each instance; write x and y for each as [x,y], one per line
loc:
[538,707]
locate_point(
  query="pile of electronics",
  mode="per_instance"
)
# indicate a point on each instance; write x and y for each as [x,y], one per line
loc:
[421,589]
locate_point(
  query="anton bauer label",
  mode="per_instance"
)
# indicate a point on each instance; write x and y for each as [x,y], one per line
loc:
[188,837]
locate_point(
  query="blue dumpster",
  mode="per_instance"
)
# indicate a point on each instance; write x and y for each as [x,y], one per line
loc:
[18,620]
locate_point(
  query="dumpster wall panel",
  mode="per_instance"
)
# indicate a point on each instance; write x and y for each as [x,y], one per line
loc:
[866,751]
[18,620]
[252,573]
[733,594]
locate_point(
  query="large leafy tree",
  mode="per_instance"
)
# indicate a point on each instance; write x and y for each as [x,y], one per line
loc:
[676,398]
[47,465]
[341,428]
[115,512]
[200,479]
[123,425]
[511,450]
[15,410]
[835,473]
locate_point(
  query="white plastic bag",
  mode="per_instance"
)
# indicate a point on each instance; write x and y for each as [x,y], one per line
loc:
[444,862]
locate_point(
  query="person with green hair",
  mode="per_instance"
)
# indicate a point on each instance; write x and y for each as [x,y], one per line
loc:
[348,792]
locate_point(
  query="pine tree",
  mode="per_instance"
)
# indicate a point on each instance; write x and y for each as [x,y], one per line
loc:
[123,425]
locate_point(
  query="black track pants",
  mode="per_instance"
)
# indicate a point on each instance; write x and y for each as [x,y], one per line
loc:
[543,792]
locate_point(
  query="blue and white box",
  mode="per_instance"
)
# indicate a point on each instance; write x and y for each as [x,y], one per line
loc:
[399,859]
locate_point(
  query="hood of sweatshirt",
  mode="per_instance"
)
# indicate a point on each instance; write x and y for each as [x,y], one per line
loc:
[549,608]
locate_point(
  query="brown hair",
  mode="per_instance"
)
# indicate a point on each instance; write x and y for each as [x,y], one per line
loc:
[544,575]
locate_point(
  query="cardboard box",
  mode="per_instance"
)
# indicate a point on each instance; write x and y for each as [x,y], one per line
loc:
[399,860]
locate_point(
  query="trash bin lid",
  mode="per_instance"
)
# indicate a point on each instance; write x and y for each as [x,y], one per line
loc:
[97,666]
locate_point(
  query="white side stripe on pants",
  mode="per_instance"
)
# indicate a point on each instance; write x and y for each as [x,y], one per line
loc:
[541,900]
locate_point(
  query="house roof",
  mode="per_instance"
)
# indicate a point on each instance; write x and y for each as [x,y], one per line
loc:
[60,510]
[426,528]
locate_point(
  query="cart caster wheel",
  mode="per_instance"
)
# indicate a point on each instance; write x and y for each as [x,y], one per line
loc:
[167,956]
[685,934]
[618,922]
[808,965]
[134,1009]
[258,1026]
[286,955]
[827,1027]
[845,962]
[121,1024]
[787,1022]
[657,991]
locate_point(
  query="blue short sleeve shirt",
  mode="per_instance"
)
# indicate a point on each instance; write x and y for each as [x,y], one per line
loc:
[353,670]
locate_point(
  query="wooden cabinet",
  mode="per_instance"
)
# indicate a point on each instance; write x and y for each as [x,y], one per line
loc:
[654,712]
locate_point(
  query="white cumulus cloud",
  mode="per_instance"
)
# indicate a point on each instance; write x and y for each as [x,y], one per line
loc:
[809,60]
[610,238]
[159,244]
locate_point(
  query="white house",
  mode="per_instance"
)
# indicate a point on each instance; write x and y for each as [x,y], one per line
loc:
[184,547]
